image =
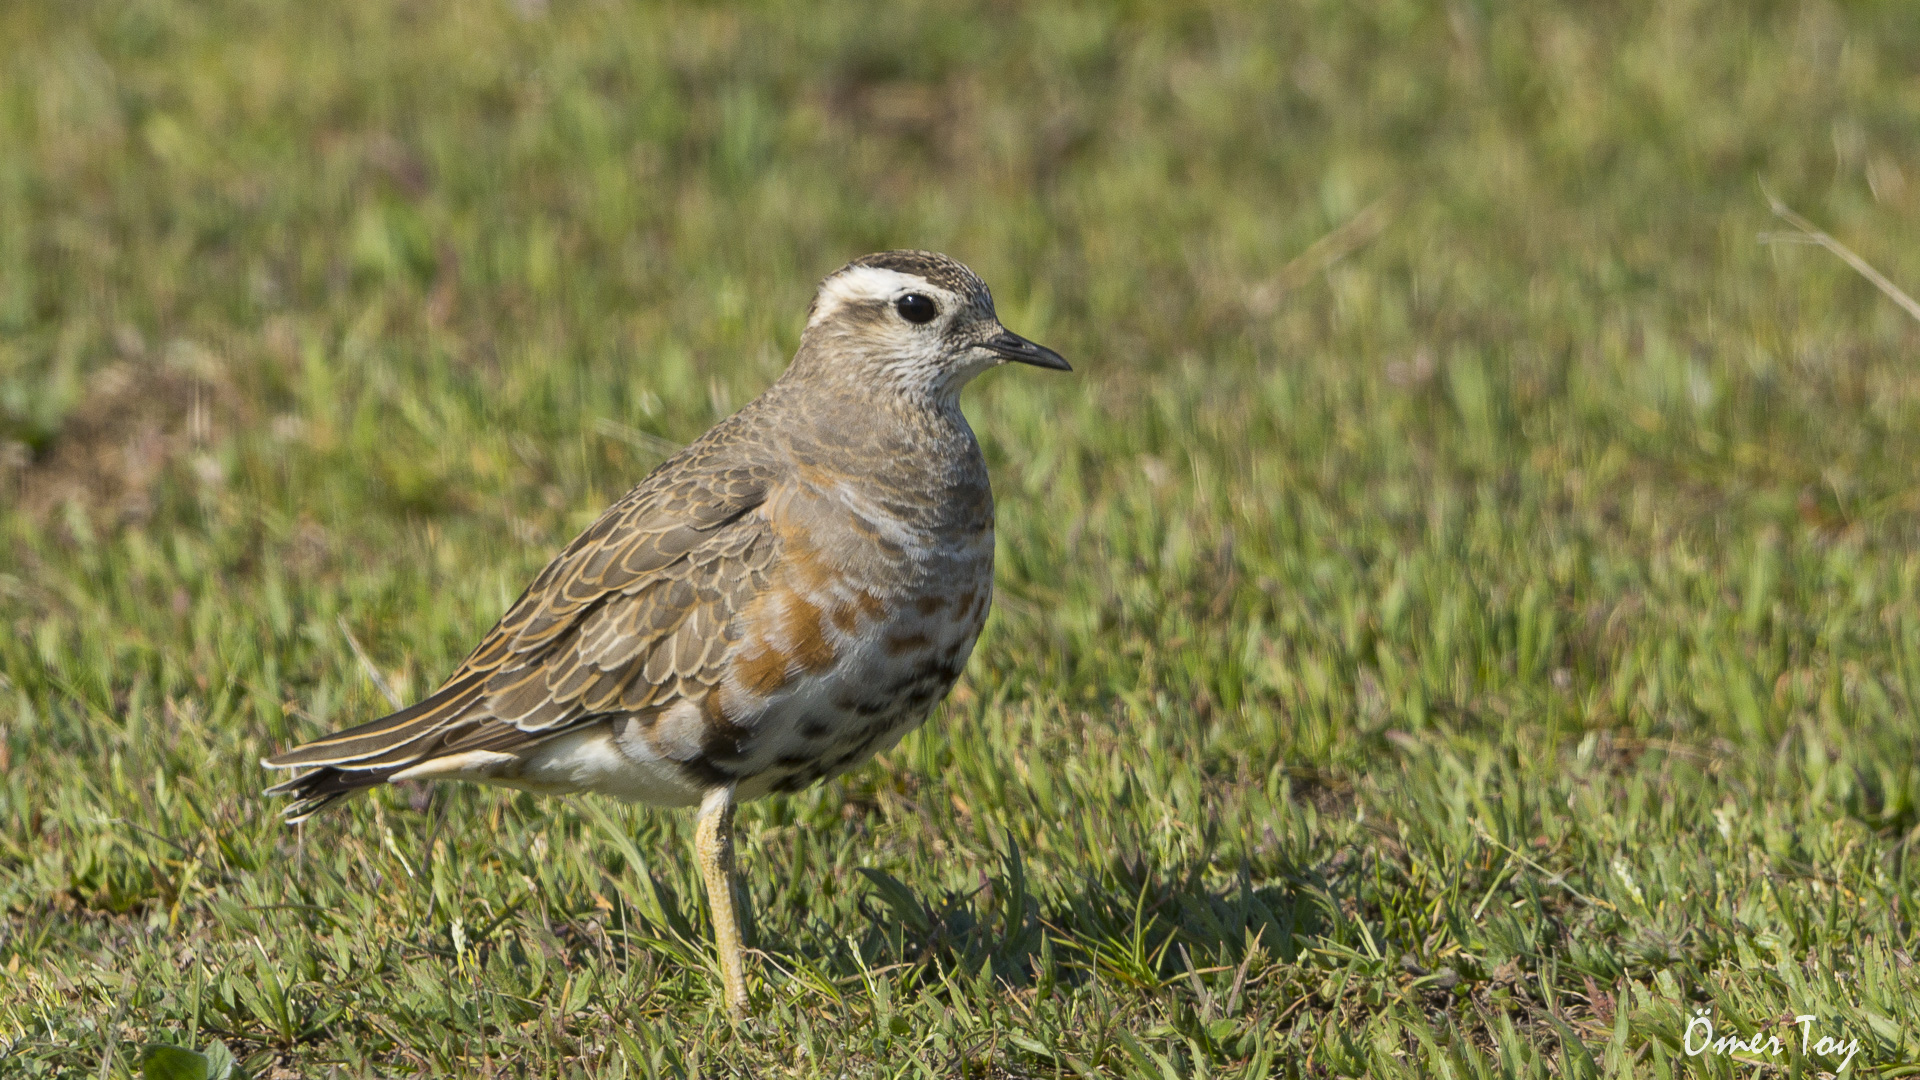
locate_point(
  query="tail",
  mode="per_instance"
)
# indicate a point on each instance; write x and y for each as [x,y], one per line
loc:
[315,791]
[371,754]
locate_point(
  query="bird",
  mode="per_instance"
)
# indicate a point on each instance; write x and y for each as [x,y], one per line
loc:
[781,600]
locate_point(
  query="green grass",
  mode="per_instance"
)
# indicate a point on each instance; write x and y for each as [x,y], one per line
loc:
[1462,615]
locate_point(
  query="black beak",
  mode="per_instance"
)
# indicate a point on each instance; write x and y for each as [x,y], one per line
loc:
[1013,347]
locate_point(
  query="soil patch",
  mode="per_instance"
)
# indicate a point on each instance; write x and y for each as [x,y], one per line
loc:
[138,420]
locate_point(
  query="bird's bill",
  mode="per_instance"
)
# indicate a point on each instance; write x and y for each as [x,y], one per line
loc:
[1011,346]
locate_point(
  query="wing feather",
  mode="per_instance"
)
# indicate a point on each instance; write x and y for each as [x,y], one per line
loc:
[630,616]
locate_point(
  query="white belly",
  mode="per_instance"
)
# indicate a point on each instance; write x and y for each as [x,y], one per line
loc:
[598,759]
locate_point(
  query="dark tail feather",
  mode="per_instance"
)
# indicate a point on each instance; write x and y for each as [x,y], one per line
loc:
[316,790]
[361,757]
[385,736]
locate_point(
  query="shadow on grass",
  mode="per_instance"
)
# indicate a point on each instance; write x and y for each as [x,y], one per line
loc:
[1132,923]
[1137,925]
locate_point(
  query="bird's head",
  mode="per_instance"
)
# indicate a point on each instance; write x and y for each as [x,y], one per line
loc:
[913,320]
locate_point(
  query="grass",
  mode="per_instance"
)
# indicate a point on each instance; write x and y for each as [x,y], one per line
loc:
[1462,617]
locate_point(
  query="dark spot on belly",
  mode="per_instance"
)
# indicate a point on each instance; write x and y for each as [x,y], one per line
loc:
[936,676]
[720,738]
[905,683]
[907,643]
[723,744]
[706,773]
[793,782]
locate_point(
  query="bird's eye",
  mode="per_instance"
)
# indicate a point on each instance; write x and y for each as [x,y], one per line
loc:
[916,308]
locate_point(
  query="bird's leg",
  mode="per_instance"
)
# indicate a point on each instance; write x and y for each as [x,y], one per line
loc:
[713,837]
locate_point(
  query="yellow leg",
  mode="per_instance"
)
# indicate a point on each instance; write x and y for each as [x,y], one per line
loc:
[713,837]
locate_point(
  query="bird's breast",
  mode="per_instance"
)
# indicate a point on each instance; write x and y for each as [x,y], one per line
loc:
[868,620]
[857,585]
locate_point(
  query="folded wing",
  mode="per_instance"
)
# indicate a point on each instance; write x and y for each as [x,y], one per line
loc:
[637,613]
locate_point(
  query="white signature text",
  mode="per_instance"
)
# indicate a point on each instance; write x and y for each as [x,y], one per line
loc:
[1700,1040]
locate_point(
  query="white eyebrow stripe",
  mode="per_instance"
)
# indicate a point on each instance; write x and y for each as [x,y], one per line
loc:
[865,283]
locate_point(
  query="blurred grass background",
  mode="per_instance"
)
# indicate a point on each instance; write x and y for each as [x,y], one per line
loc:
[1461,616]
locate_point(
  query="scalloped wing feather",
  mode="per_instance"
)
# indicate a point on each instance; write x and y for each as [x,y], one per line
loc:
[640,604]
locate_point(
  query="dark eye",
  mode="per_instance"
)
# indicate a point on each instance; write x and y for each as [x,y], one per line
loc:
[916,308]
